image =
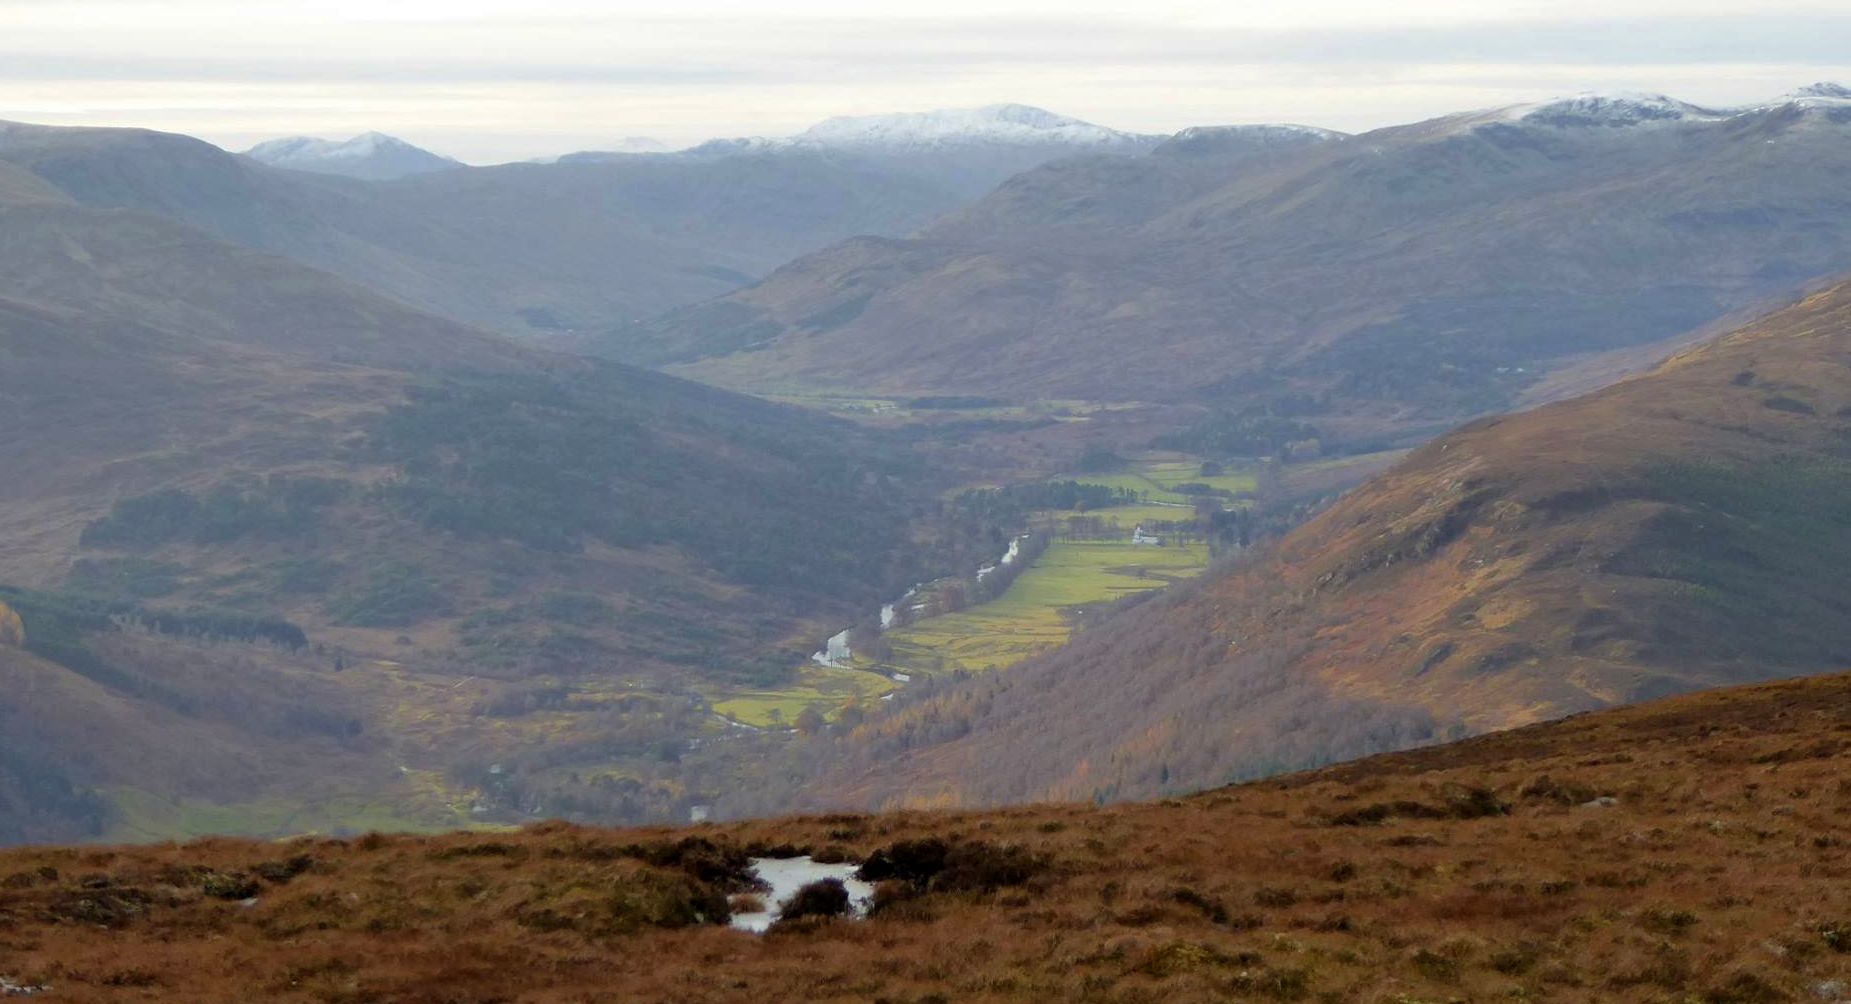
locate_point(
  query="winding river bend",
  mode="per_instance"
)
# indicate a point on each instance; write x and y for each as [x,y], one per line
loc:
[836,654]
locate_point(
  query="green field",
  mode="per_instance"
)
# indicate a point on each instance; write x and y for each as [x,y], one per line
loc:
[1156,480]
[1034,615]
[1126,516]
[1030,617]
[828,688]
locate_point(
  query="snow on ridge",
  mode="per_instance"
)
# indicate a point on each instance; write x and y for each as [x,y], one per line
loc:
[1261,130]
[1612,110]
[1824,89]
[368,153]
[1821,95]
[1004,123]
[641,144]
[1210,140]
[1631,109]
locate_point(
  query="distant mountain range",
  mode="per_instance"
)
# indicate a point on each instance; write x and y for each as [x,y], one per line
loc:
[580,245]
[997,126]
[373,156]
[1380,286]
[1685,529]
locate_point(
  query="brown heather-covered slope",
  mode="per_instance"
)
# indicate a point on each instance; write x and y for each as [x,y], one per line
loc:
[1381,284]
[1688,528]
[1689,850]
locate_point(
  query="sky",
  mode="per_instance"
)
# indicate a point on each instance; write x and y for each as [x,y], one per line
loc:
[496,80]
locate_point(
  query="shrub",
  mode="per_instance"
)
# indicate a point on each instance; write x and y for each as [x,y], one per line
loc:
[602,904]
[284,870]
[824,898]
[1472,802]
[703,859]
[898,900]
[1213,909]
[915,861]
[228,885]
[985,867]
[936,866]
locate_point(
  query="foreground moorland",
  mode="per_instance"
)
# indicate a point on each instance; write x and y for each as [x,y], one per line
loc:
[1688,850]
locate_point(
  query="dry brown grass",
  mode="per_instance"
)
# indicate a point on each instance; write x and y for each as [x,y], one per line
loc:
[1473,871]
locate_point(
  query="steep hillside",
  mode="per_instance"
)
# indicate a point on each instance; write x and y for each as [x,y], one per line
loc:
[1690,850]
[462,554]
[581,245]
[1684,529]
[1375,284]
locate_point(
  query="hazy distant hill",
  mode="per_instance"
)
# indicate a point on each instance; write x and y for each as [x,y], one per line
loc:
[963,152]
[1684,529]
[1394,280]
[583,244]
[285,550]
[372,156]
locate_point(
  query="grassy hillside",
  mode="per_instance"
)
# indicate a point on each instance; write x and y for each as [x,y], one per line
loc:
[1686,850]
[1684,529]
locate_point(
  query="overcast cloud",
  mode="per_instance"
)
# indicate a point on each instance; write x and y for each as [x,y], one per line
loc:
[490,80]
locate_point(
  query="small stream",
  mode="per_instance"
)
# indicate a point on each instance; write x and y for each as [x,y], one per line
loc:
[787,875]
[835,653]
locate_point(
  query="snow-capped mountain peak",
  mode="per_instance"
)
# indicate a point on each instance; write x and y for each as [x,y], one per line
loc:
[1005,123]
[640,144]
[1613,111]
[371,155]
[1824,90]
[1210,140]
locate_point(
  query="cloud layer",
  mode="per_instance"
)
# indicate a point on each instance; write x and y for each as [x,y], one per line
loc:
[489,80]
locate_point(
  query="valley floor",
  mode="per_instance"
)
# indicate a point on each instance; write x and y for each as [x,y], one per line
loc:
[1688,850]
[1035,614]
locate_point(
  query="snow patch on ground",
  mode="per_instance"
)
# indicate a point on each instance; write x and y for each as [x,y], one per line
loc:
[787,875]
